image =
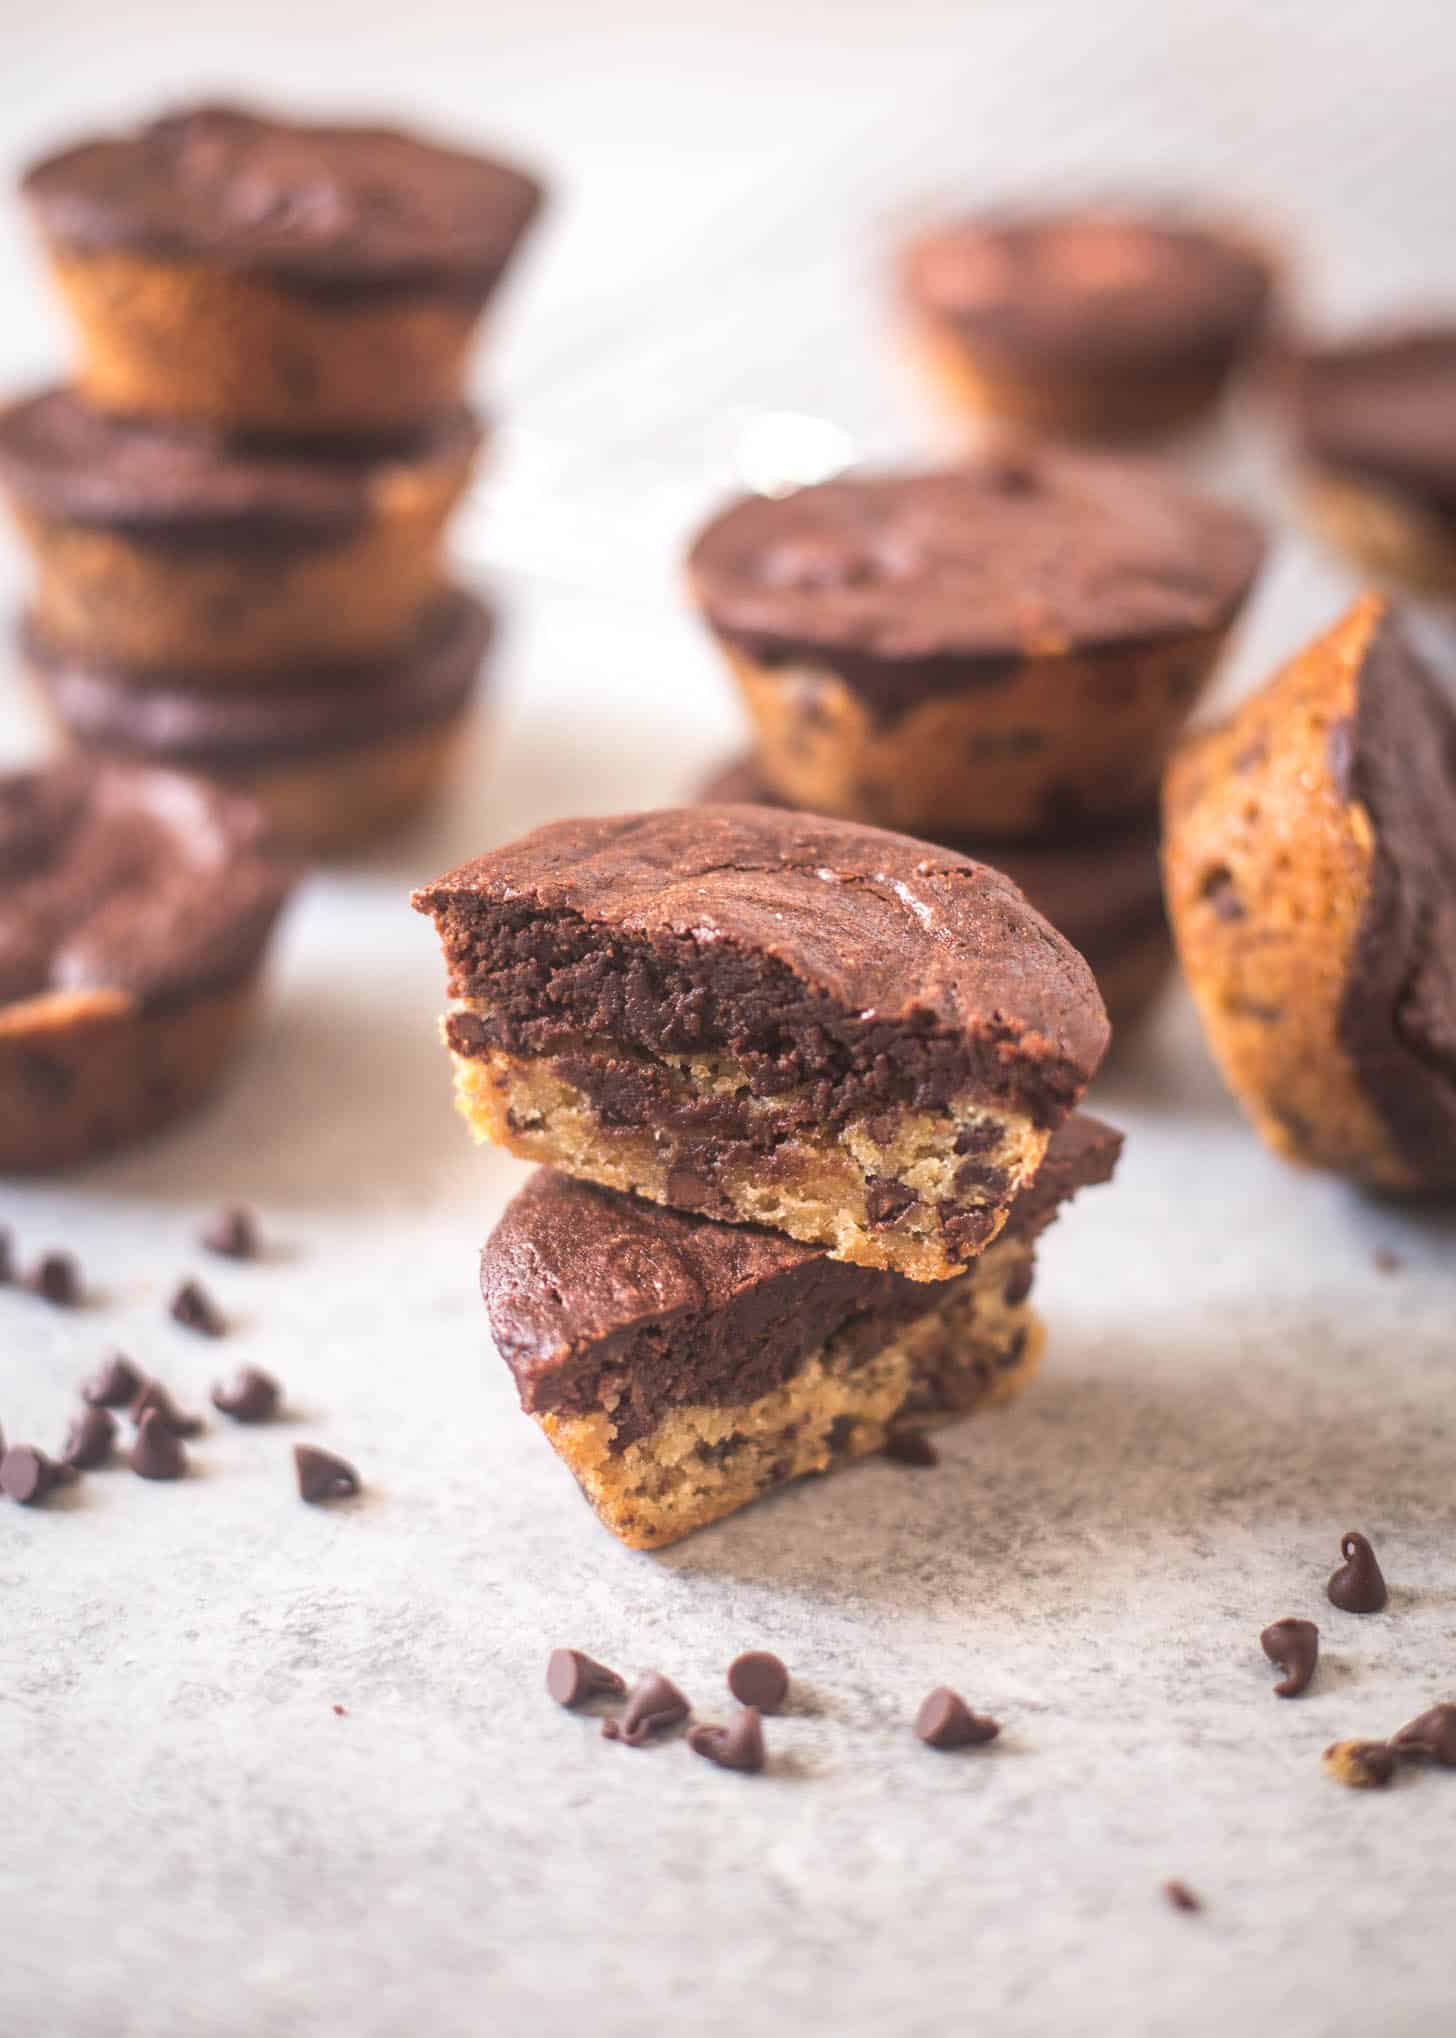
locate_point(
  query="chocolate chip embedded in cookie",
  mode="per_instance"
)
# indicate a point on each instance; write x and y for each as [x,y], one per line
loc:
[276,276]
[1096,324]
[137,910]
[681,1367]
[1006,648]
[1310,852]
[769,1018]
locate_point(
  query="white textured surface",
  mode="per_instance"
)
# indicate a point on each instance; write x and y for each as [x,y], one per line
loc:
[195,1845]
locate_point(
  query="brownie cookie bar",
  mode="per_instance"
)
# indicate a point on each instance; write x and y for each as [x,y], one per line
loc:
[1104,891]
[1375,435]
[266,275]
[1311,873]
[134,914]
[681,1367]
[168,546]
[348,750]
[1085,324]
[770,1018]
[999,649]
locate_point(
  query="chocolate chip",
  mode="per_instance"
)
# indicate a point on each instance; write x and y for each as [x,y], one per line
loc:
[114,1384]
[250,1396]
[195,1309]
[946,1721]
[233,1232]
[759,1679]
[572,1678]
[1219,891]
[322,1476]
[1362,1765]
[466,1033]
[1294,1646]
[157,1452]
[89,1439]
[655,1704]
[1357,1586]
[1181,1897]
[886,1200]
[979,1136]
[910,1447]
[155,1400]
[1433,1734]
[739,1745]
[56,1277]
[27,1475]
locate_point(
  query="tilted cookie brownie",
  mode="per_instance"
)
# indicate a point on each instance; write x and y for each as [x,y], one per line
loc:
[135,908]
[1095,324]
[998,649]
[1103,890]
[843,1034]
[179,546]
[269,275]
[348,750]
[680,1367]
[1375,434]
[1311,870]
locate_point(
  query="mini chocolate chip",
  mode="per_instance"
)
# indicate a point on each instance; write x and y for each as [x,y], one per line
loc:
[322,1476]
[195,1309]
[1219,891]
[886,1200]
[979,1136]
[572,1678]
[1294,1646]
[946,1721]
[27,1475]
[1181,1897]
[739,1745]
[466,1033]
[1432,1734]
[157,1452]
[654,1705]
[114,1384]
[1357,1586]
[250,1396]
[909,1447]
[89,1439]
[1362,1765]
[233,1232]
[155,1400]
[56,1277]
[759,1679]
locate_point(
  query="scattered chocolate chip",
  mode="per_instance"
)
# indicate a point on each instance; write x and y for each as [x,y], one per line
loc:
[1357,1586]
[250,1396]
[1387,1261]
[115,1384]
[157,1452]
[1433,1734]
[759,1679]
[739,1745]
[886,1200]
[154,1399]
[342,1711]
[195,1309]
[1362,1765]
[909,1447]
[322,1476]
[27,1475]
[89,1440]
[233,1232]
[1220,892]
[946,1721]
[572,1678]
[56,1278]
[1294,1646]
[1181,1897]
[654,1705]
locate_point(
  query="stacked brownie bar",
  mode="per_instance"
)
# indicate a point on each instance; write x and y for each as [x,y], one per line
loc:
[237,511]
[805,1093]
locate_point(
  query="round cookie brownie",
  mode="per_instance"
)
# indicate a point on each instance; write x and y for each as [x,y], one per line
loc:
[1002,648]
[1375,435]
[137,909]
[1096,324]
[1310,847]
[350,749]
[179,546]
[768,1018]
[270,275]
[1104,891]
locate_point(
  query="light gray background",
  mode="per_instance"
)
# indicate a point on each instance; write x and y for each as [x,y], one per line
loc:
[196,1845]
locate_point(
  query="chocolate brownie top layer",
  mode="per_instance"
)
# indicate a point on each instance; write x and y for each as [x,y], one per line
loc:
[1104,291]
[187,484]
[144,882]
[1397,1018]
[589,1291]
[161,718]
[234,189]
[1383,409]
[863,965]
[908,584]
[1101,890]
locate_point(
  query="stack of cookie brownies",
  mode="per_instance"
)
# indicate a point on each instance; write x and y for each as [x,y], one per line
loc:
[237,510]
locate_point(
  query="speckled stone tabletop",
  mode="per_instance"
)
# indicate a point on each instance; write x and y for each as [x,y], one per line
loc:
[279,1772]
